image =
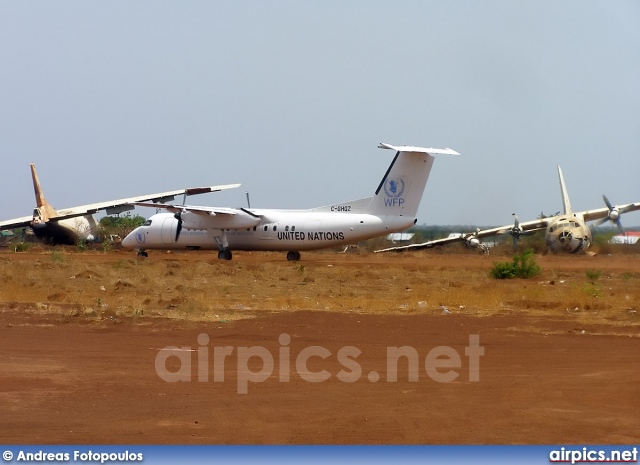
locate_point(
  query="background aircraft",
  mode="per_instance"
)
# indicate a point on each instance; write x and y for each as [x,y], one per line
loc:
[567,232]
[77,223]
[392,208]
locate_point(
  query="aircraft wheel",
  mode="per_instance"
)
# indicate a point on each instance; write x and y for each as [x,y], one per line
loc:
[225,255]
[143,253]
[293,256]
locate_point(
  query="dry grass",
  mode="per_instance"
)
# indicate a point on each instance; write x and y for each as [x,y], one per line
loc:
[203,288]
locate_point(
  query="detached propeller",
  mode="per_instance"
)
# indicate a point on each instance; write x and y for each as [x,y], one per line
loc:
[178,216]
[613,216]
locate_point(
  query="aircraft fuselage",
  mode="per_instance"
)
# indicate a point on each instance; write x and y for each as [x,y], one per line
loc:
[67,232]
[568,234]
[290,230]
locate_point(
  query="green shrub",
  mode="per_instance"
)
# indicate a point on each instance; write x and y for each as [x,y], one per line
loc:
[593,275]
[504,270]
[523,266]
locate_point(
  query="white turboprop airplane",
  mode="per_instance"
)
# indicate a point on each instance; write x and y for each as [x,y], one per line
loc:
[77,223]
[392,208]
[563,233]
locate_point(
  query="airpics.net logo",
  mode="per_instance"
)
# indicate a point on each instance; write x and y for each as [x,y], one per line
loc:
[442,364]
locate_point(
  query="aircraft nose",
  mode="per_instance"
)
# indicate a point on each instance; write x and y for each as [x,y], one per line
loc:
[130,240]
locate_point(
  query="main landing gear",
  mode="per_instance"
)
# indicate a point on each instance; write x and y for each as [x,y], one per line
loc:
[225,255]
[293,256]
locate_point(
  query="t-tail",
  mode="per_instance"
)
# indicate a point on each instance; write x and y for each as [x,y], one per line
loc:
[566,204]
[44,211]
[400,191]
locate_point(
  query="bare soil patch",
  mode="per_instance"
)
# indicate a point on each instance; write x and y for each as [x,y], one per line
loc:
[80,334]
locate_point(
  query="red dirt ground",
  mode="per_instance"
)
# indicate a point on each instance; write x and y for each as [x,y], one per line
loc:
[68,382]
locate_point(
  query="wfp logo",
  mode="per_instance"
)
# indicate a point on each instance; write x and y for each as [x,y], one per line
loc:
[140,237]
[394,188]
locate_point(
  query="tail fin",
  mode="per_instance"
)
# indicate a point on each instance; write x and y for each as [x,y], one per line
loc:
[566,205]
[44,210]
[400,191]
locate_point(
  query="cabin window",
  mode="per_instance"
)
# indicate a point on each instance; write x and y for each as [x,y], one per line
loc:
[286,228]
[275,227]
[293,228]
[254,228]
[266,227]
[147,223]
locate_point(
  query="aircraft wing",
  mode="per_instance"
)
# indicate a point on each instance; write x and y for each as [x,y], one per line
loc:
[16,223]
[121,205]
[590,215]
[212,211]
[534,225]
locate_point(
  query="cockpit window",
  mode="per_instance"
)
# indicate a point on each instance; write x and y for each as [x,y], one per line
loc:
[147,223]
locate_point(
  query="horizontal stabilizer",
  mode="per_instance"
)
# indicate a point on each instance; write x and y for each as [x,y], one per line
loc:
[411,149]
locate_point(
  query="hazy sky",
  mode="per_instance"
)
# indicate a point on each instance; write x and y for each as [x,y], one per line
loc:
[291,98]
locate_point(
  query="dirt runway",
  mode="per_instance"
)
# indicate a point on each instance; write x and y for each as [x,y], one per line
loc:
[542,380]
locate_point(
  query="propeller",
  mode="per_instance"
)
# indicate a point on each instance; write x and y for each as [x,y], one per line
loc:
[178,216]
[515,231]
[472,241]
[248,201]
[614,214]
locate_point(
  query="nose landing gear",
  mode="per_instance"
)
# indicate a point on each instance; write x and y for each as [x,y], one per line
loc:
[293,256]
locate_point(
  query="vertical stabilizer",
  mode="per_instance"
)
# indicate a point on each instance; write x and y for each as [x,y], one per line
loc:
[400,191]
[44,210]
[566,204]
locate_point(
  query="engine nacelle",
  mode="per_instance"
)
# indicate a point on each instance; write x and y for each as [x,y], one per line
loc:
[472,242]
[240,220]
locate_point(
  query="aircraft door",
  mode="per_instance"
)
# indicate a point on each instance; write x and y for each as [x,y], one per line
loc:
[267,229]
[169,227]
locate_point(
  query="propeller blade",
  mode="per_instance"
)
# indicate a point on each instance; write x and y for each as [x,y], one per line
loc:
[606,201]
[515,243]
[178,216]
[619,226]
[248,201]
[601,221]
[516,222]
